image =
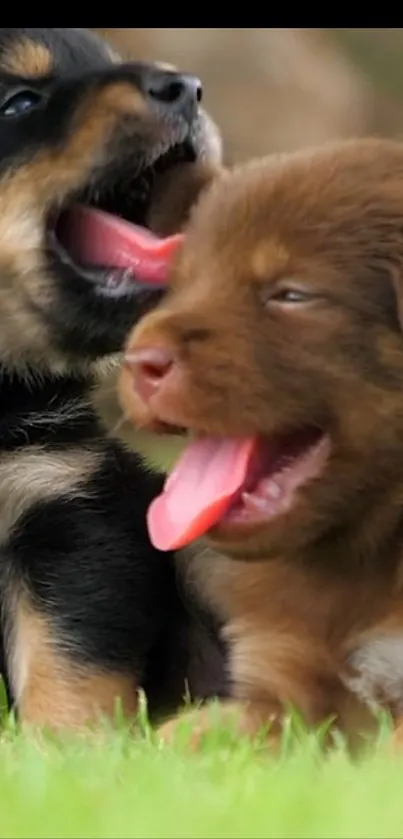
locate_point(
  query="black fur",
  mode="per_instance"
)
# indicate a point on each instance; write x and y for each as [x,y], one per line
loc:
[82,556]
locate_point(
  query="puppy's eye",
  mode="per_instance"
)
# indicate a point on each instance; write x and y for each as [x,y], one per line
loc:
[287,296]
[19,103]
[291,295]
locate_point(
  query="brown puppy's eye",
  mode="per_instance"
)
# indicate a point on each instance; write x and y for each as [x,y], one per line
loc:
[286,296]
[290,295]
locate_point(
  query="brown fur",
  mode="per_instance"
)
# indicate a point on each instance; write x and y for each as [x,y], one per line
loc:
[312,600]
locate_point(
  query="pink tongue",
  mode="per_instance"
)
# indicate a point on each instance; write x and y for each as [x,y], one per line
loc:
[98,238]
[199,491]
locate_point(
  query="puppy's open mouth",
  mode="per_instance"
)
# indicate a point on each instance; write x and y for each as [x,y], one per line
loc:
[102,232]
[234,483]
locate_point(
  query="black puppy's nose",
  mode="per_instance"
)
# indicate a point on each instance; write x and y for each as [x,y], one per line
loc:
[175,93]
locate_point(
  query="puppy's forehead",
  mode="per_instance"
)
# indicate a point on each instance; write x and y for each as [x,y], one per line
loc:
[301,206]
[235,234]
[36,53]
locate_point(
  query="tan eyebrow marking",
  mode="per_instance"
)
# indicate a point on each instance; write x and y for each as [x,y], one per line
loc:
[27,58]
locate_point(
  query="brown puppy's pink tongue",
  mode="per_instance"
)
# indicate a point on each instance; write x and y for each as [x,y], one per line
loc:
[98,238]
[200,490]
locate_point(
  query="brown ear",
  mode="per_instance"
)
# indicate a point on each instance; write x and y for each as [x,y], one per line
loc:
[176,194]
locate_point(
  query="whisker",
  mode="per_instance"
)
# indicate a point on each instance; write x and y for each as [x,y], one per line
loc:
[118,425]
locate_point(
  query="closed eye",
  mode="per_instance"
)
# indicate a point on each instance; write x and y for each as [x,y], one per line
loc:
[290,295]
[286,296]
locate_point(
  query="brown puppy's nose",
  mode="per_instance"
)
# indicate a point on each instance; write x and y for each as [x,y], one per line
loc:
[150,367]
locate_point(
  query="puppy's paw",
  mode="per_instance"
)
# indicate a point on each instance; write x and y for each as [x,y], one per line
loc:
[395,741]
[212,722]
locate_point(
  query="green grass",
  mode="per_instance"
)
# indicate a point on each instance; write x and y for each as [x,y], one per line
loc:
[112,784]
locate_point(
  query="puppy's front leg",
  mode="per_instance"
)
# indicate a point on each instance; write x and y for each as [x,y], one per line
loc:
[84,599]
[266,688]
[397,735]
[50,686]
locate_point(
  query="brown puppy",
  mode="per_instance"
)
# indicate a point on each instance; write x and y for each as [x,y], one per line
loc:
[284,327]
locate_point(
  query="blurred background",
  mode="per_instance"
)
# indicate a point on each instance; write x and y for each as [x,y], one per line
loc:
[280,89]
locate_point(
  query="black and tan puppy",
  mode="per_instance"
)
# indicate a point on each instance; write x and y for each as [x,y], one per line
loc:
[89,609]
[281,349]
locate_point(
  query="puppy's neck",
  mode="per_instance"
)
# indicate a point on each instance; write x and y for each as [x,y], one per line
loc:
[369,543]
[361,559]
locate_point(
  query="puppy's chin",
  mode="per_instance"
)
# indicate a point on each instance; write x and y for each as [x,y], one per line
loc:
[288,534]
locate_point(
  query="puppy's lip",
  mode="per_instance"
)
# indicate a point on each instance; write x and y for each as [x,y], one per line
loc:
[156,426]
